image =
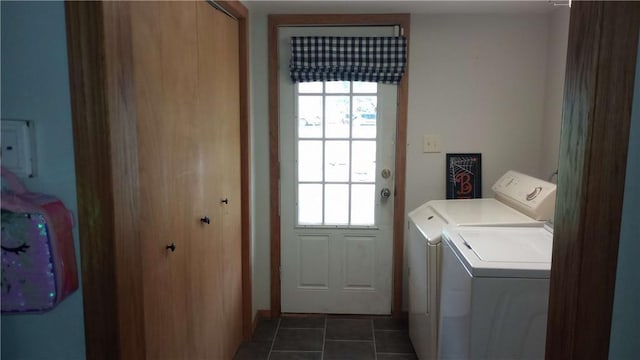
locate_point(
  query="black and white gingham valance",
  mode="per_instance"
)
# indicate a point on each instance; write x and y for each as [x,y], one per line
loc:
[327,58]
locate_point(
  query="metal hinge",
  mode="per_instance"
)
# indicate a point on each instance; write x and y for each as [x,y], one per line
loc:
[221,9]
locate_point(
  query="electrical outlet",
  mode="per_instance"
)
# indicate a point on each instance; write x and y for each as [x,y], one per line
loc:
[432,144]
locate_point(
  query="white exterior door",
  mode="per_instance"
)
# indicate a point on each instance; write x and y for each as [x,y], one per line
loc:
[337,151]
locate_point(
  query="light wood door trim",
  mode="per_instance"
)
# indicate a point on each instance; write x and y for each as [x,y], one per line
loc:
[276,21]
[600,74]
[105,138]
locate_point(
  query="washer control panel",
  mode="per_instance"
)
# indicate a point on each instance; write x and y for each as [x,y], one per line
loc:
[534,197]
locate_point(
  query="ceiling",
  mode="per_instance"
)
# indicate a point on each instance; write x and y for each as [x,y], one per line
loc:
[413,7]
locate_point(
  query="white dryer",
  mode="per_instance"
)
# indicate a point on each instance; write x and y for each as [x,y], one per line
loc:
[520,200]
[495,290]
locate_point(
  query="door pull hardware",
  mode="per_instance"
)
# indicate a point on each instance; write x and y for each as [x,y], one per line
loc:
[385,193]
[171,247]
[205,220]
[225,201]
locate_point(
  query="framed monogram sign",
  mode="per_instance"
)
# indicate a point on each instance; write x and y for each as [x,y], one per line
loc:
[464,176]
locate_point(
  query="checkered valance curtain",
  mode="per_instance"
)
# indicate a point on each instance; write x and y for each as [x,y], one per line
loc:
[327,58]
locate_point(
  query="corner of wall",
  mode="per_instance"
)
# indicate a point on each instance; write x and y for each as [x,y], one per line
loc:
[558,35]
[624,321]
[260,160]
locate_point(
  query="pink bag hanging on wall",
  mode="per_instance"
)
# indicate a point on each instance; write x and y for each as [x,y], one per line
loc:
[38,256]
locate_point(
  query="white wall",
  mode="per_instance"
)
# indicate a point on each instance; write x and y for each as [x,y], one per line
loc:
[35,86]
[260,167]
[554,91]
[477,80]
[625,322]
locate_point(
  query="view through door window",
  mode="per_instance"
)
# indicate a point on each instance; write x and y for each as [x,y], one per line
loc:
[336,153]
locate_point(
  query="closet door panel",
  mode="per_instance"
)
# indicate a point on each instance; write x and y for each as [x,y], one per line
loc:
[206,281]
[165,66]
[218,34]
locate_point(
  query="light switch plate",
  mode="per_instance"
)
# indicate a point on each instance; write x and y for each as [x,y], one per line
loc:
[432,143]
[18,152]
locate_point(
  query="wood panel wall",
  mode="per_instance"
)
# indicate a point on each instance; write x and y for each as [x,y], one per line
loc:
[600,73]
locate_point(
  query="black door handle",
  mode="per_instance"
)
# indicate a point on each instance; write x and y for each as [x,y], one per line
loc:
[225,201]
[171,247]
[205,220]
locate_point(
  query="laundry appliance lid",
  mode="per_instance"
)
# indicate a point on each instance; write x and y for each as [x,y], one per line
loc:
[501,251]
[481,212]
[428,222]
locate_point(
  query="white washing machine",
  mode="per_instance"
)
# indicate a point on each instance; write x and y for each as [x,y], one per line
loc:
[495,290]
[520,200]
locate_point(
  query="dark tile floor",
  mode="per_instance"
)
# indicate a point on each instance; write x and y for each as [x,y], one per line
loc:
[329,337]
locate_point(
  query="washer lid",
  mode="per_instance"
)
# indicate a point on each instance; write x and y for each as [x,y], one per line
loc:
[508,246]
[428,222]
[503,252]
[481,212]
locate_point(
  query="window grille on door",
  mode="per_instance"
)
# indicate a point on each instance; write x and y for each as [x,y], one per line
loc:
[336,153]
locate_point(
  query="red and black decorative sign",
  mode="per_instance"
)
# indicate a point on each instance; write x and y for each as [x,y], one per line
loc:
[464,176]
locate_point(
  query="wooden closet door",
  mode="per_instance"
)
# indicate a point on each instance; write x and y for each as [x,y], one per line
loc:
[218,44]
[165,54]
[156,115]
[187,91]
[208,323]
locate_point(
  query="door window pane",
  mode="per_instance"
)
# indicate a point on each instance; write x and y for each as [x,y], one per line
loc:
[310,204]
[336,200]
[310,160]
[310,87]
[337,87]
[363,168]
[336,161]
[310,116]
[363,197]
[361,87]
[336,153]
[364,117]
[337,116]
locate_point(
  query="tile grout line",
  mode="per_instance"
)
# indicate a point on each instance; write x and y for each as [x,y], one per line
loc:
[275,335]
[375,348]
[324,338]
[395,353]
[303,328]
[342,340]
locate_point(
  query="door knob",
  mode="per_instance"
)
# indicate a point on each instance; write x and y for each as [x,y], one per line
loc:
[205,220]
[385,193]
[225,201]
[171,247]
